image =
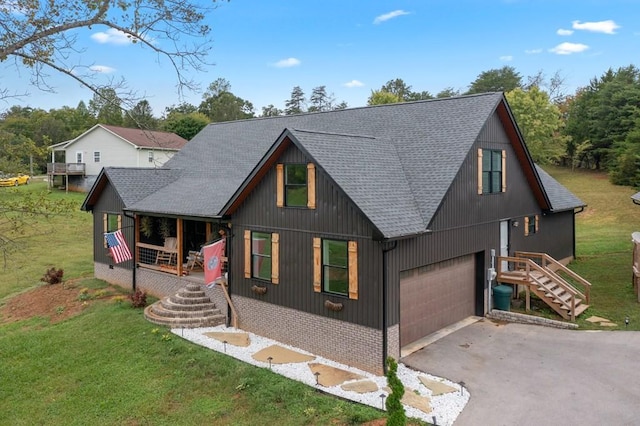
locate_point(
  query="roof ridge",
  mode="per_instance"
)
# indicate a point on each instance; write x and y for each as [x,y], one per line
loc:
[351,135]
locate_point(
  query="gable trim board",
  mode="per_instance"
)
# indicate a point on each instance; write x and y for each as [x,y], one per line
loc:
[389,172]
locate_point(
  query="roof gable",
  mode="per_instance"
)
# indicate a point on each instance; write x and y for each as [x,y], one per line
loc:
[137,137]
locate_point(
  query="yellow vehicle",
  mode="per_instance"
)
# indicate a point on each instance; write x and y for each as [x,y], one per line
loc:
[15,180]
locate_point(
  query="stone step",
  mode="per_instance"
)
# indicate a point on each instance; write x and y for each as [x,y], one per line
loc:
[210,321]
[168,304]
[191,293]
[180,300]
[203,313]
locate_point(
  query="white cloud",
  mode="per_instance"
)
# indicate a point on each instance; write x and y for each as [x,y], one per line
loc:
[569,48]
[506,58]
[102,69]
[606,27]
[353,83]
[111,36]
[380,19]
[533,51]
[287,63]
[563,32]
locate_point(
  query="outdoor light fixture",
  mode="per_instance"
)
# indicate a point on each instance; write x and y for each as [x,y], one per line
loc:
[270,359]
[461,383]
[317,374]
[382,401]
[224,342]
[626,322]
[433,420]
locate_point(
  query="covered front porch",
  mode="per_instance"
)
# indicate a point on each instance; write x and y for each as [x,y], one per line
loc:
[173,245]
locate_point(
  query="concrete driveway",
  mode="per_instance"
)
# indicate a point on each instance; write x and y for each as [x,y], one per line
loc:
[532,375]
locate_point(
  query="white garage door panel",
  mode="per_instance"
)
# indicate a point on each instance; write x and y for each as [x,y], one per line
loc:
[436,296]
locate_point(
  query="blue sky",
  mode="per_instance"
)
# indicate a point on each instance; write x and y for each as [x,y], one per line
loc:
[266,47]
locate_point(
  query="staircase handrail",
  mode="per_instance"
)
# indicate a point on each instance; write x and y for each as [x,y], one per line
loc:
[530,264]
[234,314]
[546,258]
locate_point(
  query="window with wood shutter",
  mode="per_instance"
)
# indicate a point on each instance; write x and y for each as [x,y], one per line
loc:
[335,267]
[262,256]
[531,224]
[492,176]
[296,185]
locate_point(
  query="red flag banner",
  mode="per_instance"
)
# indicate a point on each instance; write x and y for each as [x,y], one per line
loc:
[117,246]
[213,261]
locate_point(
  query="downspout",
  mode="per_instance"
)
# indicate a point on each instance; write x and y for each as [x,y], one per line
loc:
[227,248]
[133,273]
[385,319]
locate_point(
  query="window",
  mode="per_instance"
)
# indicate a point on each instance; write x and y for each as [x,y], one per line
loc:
[111,222]
[296,185]
[96,156]
[530,225]
[336,267]
[79,157]
[491,171]
[151,156]
[261,256]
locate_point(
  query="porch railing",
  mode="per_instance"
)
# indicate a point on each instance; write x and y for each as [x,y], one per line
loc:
[66,168]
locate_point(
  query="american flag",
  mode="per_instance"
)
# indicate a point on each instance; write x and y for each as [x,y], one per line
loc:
[117,246]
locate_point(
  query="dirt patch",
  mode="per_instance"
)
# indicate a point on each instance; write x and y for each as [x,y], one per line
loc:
[55,301]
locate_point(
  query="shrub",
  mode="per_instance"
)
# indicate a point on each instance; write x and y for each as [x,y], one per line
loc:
[395,410]
[138,299]
[53,276]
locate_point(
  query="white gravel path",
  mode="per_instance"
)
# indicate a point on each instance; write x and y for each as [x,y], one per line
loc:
[445,408]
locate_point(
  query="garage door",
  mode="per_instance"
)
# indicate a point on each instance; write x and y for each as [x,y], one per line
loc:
[435,296]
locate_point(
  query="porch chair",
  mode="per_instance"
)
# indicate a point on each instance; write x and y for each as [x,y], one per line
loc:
[195,258]
[169,255]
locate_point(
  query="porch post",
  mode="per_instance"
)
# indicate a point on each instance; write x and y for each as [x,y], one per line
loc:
[180,238]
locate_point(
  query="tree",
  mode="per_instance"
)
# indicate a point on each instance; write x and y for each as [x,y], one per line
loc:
[540,123]
[504,79]
[398,88]
[320,100]
[219,104]
[380,97]
[185,125]
[106,107]
[395,411]
[42,36]
[271,111]
[141,117]
[296,103]
[183,108]
[341,105]
[448,92]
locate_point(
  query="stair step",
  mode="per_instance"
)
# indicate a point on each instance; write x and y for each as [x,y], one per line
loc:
[179,322]
[181,300]
[580,309]
[168,304]
[578,304]
[161,311]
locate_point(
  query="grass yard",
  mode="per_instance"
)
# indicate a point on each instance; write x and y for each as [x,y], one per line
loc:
[603,245]
[108,365]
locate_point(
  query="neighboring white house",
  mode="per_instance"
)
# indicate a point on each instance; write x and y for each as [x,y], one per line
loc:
[80,160]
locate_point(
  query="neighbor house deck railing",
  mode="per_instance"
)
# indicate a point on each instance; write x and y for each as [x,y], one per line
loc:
[65,168]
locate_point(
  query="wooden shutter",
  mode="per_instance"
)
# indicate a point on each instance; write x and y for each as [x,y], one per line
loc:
[537,223]
[311,186]
[247,254]
[275,258]
[119,221]
[280,185]
[526,226]
[353,270]
[105,227]
[317,266]
[504,170]
[479,171]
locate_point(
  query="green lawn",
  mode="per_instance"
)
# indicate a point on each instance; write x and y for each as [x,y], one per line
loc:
[109,366]
[603,245]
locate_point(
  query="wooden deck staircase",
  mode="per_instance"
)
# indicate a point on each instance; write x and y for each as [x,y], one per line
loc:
[563,290]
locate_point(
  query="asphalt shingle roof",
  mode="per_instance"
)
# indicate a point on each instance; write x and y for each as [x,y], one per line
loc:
[148,138]
[560,197]
[395,162]
[134,184]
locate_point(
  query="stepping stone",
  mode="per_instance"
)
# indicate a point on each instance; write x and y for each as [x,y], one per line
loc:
[236,339]
[280,355]
[608,324]
[332,376]
[422,403]
[436,387]
[595,319]
[362,386]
